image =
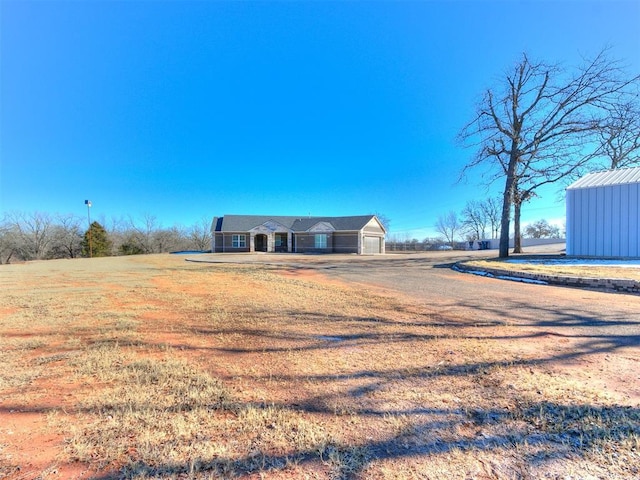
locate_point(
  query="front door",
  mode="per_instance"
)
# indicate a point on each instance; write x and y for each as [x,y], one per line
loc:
[261,243]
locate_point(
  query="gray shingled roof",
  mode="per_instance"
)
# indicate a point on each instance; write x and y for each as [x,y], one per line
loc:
[608,177]
[244,223]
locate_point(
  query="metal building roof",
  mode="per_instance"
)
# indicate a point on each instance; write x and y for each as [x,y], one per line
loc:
[618,176]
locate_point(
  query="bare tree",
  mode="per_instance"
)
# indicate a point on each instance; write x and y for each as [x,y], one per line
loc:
[141,233]
[7,240]
[539,127]
[541,229]
[169,239]
[620,135]
[199,234]
[120,234]
[30,234]
[66,237]
[474,220]
[491,208]
[449,226]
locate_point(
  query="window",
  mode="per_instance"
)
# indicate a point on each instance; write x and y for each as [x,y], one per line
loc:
[321,240]
[239,241]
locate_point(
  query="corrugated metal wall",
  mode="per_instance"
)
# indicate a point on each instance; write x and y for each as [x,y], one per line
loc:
[604,221]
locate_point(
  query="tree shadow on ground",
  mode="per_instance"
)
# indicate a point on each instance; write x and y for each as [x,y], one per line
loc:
[533,429]
[541,432]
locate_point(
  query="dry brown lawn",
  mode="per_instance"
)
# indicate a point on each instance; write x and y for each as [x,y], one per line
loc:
[153,367]
[568,269]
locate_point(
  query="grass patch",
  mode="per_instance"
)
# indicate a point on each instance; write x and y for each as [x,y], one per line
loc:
[17,370]
[164,416]
[558,268]
[166,369]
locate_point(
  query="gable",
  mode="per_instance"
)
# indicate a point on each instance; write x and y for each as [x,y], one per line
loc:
[269,226]
[244,223]
[322,227]
[374,226]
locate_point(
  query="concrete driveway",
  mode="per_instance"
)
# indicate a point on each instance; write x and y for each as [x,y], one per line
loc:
[432,281]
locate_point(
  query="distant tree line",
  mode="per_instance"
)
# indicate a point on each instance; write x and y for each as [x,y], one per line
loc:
[41,236]
[396,243]
[542,229]
[480,220]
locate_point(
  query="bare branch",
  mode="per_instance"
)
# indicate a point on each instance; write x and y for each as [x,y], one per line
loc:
[550,124]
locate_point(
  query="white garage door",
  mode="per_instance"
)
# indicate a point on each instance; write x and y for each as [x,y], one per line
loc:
[371,245]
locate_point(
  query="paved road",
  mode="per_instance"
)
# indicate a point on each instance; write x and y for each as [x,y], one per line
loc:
[430,279]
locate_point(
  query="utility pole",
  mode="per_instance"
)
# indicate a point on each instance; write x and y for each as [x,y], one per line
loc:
[88,204]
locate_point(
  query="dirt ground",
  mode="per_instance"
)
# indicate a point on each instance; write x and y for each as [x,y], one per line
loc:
[386,367]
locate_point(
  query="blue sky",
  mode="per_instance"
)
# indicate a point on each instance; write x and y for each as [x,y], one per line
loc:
[185,110]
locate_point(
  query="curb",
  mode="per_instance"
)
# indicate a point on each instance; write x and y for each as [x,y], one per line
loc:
[608,284]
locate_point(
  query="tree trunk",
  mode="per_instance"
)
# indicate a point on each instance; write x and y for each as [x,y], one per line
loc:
[504,223]
[517,238]
[507,198]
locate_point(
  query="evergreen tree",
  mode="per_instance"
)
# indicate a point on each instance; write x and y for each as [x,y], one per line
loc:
[130,247]
[96,242]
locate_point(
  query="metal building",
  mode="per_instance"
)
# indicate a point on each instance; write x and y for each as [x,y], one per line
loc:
[603,214]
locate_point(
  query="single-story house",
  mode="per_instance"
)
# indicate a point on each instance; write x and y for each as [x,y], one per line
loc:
[603,214]
[362,234]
